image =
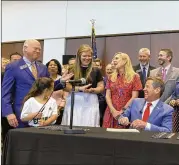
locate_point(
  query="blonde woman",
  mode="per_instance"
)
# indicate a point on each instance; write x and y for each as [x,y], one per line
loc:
[5,61]
[86,104]
[121,88]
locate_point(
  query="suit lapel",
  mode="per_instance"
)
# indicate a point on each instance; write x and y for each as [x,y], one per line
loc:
[139,71]
[142,104]
[159,72]
[155,112]
[169,73]
[25,67]
[148,74]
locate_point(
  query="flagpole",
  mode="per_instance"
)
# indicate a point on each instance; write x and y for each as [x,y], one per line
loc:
[93,22]
[93,39]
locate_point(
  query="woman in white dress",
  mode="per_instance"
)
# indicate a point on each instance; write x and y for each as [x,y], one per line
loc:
[86,104]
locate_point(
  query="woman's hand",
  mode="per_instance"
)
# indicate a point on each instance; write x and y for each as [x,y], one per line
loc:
[116,114]
[90,90]
[84,88]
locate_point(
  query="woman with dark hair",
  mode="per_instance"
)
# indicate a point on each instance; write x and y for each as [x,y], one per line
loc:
[86,106]
[54,69]
[40,96]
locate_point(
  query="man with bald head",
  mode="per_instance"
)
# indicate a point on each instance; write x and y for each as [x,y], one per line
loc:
[18,79]
[143,68]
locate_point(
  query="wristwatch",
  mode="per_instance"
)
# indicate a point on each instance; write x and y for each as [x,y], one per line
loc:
[123,109]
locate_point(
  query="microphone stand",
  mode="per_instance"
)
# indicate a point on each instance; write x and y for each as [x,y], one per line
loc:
[72,130]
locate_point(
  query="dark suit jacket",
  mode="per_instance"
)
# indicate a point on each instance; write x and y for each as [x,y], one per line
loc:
[138,70]
[17,82]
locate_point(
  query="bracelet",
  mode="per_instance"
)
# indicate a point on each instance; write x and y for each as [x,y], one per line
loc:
[76,89]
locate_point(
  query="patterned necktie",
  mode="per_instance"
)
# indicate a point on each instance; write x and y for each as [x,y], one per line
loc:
[147,112]
[144,73]
[164,74]
[34,70]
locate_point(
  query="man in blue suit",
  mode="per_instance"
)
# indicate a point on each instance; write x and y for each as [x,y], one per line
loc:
[149,113]
[18,79]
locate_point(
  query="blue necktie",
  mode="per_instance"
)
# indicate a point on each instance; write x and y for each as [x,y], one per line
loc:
[144,73]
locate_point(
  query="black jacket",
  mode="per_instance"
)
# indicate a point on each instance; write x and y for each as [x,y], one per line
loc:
[138,70]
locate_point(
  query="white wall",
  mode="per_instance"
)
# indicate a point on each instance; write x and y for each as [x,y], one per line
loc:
[59,19]
[28,19]
[53,49]
[121,17]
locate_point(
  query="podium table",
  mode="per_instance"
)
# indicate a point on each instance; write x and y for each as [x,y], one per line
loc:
[35,146]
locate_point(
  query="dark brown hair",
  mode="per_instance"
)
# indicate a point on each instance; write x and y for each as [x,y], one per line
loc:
[169,53]
[157,83]
[39,86]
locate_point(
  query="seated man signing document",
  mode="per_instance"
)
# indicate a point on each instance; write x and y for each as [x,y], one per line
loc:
[149,113]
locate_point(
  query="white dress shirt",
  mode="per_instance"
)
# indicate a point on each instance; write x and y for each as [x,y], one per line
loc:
[29,64]
[154,103]
[146,68]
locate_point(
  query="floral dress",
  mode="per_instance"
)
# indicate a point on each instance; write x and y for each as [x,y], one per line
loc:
[121,93]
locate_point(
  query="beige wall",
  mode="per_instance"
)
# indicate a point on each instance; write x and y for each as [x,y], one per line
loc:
[9,48]
[130,44]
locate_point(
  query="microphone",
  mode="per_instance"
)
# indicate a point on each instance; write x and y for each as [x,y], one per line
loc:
[80,81]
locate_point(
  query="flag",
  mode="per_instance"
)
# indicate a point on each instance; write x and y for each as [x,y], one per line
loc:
[93,42]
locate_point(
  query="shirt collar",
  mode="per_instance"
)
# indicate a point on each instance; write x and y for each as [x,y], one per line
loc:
[154,103]
[167,67]
[27,61]
[146,66]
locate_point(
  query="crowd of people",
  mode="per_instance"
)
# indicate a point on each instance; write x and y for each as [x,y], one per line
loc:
[141,97]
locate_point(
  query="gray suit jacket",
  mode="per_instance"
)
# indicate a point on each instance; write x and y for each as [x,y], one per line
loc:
[170,82]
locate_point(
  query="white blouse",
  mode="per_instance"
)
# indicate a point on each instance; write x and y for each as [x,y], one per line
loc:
[32,106]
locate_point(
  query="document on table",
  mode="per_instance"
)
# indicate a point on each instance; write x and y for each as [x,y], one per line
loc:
[122,130]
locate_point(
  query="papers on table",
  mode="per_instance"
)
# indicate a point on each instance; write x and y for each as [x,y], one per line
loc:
[122,130]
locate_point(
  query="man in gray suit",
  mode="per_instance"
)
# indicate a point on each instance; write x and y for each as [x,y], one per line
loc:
[167,72]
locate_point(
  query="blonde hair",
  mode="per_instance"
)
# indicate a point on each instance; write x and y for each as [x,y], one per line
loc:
[129,72]
[144,50]
[77,70]
[5,61]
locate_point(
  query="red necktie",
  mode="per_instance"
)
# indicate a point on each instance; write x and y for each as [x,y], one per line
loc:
[147,112]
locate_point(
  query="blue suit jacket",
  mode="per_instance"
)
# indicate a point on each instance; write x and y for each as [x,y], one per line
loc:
[17,82]
[160,118]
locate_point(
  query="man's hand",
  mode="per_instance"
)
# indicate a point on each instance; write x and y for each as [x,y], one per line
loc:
[138,124]
[12,120]
[66,76]
[124,121]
